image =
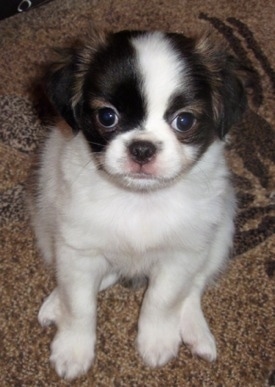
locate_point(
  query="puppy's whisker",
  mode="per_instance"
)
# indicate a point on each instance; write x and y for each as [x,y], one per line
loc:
[92,162]
[96,143]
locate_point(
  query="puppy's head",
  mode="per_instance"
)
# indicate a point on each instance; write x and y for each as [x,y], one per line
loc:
[148,103]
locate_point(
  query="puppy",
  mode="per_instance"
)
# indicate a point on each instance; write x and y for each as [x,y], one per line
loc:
[137,186]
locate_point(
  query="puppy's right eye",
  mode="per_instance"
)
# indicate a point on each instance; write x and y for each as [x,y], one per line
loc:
[107,117]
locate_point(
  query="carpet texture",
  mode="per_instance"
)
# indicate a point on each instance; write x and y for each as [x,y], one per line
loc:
[240,306]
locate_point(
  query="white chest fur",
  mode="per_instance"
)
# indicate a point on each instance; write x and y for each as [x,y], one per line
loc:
[93,214]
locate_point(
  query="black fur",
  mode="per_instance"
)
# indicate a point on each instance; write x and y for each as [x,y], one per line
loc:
[59,85]
[203,82]
[112,76]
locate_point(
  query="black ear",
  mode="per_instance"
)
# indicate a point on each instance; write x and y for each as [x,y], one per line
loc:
[230,101]
[225,74]
[59,86]
[66,77]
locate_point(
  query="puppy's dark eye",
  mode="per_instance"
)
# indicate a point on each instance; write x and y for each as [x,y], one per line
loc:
[183,122]
[107,117]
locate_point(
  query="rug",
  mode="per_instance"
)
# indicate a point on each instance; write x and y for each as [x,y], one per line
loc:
[240,306]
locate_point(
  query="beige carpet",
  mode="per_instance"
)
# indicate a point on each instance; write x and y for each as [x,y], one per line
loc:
[239,308]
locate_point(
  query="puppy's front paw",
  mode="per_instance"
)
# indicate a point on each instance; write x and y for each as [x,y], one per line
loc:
[72,353]
[196,335]
[158,342]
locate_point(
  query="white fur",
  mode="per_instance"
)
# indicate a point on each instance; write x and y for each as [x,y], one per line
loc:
[179,236]
[161,69]
[96,227]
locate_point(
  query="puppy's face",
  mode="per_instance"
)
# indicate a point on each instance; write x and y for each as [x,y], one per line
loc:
[148,103]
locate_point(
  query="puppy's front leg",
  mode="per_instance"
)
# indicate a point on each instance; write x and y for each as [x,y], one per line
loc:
[72,306]
[159,323]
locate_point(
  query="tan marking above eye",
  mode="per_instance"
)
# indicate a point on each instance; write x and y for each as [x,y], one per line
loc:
[99,103]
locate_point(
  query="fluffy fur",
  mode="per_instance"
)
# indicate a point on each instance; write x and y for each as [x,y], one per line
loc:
[138,187]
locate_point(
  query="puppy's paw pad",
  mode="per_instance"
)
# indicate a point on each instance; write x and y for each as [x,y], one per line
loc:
[157,347]
[72,354]
[49,310]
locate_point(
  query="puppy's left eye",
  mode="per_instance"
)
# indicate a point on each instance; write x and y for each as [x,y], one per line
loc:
[107,117]
[183,122]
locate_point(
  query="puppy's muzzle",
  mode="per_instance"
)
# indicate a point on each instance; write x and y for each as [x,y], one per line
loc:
[141,151]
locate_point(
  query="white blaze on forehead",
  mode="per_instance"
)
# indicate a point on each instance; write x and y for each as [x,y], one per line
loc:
[161,69]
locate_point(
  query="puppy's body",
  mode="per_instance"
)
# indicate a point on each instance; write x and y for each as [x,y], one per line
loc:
[123,225]
[142,188]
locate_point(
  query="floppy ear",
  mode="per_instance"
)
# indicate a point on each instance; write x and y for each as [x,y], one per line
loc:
[60,85]
[66,77]
[230,102]
[226,76]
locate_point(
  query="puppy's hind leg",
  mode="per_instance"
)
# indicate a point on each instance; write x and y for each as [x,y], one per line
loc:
[50,309]
[194,328]
[108,280]
[195,332]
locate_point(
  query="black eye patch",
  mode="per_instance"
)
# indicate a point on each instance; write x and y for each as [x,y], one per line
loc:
[114,78]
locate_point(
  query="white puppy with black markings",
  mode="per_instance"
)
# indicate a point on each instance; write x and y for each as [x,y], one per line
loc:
[140,187]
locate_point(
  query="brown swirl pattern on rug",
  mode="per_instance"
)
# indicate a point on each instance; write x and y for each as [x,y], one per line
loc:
[240,306]
[254,142]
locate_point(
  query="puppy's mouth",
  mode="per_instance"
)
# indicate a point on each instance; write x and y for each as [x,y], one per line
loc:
[147,170]
[139,167]
[142,180]
[137,180]
[142,175]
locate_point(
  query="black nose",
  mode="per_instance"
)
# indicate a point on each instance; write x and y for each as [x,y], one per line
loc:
[142,151]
